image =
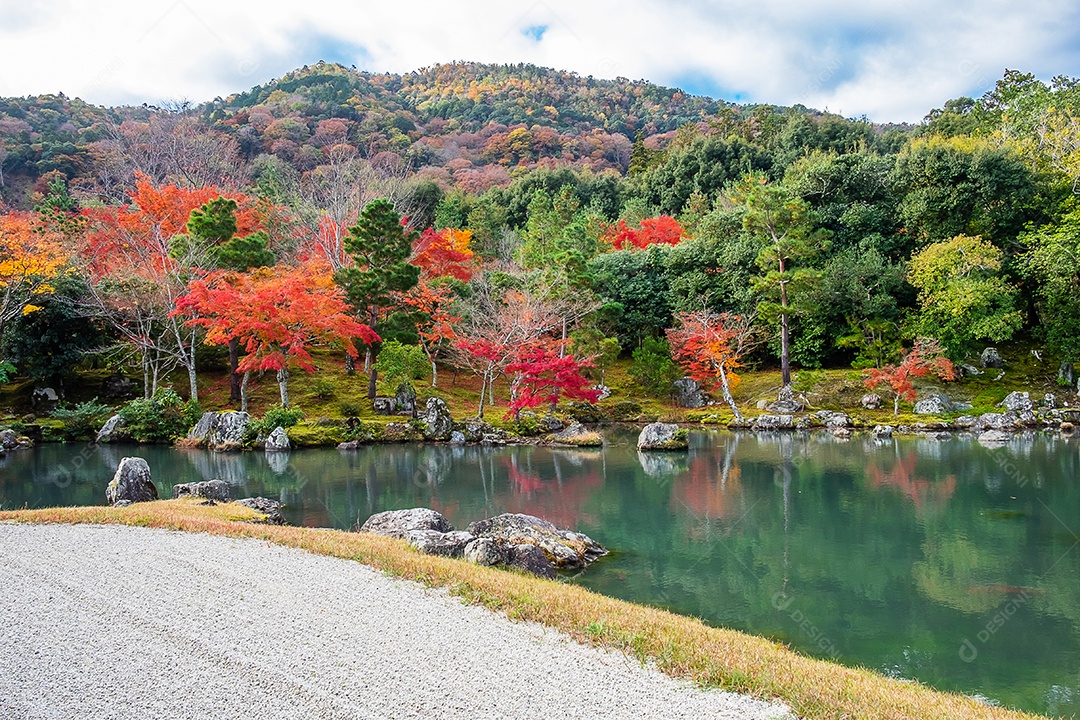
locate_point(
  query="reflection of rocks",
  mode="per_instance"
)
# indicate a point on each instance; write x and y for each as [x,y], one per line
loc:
[210,489]
[230,467]
[278,462]
[131,483]
[662,436]
[658,465]
[994,438]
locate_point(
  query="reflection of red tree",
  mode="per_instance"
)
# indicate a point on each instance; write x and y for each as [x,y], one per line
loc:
[559,502]
[920,491]
[316,515]
[705,491]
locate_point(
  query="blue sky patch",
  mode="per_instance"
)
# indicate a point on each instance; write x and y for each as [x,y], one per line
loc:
[535,32]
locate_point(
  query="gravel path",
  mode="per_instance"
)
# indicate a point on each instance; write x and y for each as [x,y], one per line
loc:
[123,622]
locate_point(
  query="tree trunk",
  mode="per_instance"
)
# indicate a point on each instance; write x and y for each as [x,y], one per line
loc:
[367,360]
[234,370]
[193,386]
[434,375]
[350,364]
[372,380]
[283,380]
[146,375]
[483,388]
[727,394]
[896,405]
[243,391]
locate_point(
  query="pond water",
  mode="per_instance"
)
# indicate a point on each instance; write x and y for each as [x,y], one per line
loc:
[940,560]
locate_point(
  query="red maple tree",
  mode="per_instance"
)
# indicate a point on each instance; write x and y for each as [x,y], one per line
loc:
[709,346]
[927,356]
[660,230]
[542,376]
[277,314]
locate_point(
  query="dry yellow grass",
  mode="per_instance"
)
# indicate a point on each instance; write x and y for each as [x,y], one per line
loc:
[679,646]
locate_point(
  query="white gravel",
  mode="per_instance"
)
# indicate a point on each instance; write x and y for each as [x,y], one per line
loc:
[123,622]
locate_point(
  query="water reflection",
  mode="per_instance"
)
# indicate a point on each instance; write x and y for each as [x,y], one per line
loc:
[895,552]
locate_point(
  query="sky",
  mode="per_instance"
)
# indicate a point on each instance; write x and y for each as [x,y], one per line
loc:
[891,61]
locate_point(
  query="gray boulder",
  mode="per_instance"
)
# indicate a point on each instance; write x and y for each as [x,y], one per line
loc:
[399,523]
[870,401]
[579,436]
[933,405]
[108,430]
[8,439]
[966,422]
[217,490]
[202,428]
[132,482]
[831,419]
[530,559]
[1049,401]
[433,542]
[1065,374]
[549,423]
[1017,402]
[405,398]
[563,548]
[991,358]
[117,386]
[998,421]
[688,393]
[44,399]
[662,436]
[436,420]
[457,438]
[785,407]
[484,551]
[227,431]
[277,441]
[271,509]
[774,422]
[969,370]
[384,405]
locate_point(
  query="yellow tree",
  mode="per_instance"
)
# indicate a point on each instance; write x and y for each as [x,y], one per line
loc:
[29,259]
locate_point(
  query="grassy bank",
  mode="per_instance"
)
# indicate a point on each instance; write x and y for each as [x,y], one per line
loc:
[680,646]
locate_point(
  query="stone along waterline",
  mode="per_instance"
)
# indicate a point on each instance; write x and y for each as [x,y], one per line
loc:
[941,560]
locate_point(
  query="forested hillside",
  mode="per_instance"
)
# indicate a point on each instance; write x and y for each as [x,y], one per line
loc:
[545,216]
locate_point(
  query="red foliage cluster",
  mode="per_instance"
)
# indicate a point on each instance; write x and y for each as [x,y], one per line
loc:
[927,356]
[660,230]
[545,377]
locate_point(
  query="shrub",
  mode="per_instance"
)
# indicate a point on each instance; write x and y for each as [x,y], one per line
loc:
[82,421]
[397,362]
[625,410]
[323,389]
[276,416]
[653,370]
[162,418]
[350,408]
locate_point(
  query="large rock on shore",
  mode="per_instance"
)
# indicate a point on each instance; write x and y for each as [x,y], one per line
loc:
[216,489]
[662,436]
[433,542]
[564,548]
[1017,402]
[436,420]
[221,431]
[579,436]
[271,509]
[399,523]
[933,405]
[108,430]
[277,441]
[688,393]
[131,483]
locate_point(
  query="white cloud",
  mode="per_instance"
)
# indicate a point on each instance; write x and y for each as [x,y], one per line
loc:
[889,60]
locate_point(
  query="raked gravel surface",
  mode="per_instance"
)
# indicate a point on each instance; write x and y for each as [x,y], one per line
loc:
[123,622]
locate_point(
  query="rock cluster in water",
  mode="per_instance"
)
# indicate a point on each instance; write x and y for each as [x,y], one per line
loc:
[511,540]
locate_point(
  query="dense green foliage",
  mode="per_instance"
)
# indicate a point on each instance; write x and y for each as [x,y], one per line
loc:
[162,418]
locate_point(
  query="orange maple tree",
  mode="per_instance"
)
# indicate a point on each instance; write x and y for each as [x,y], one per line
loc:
[927,356]
[277,314]
[30,256]
[709,346]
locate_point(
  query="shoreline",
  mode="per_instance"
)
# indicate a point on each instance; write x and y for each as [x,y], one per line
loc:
[679,646]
